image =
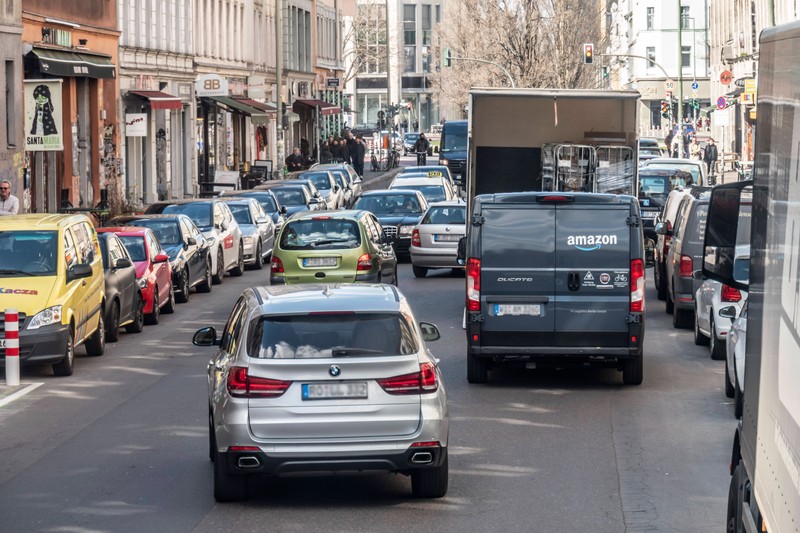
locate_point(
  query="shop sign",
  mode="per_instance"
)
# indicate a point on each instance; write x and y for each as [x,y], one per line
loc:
[136,124]
[257,87]
[333,83]
[237,86]
[750,86]
[43,116]
[211,85]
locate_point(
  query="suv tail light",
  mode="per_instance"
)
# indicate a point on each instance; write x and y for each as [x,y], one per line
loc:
[241,385]
[637,286]
[687,266]
[473,284]
[731,294]
[364,262]
[276,266]
[420,382]
[415,240]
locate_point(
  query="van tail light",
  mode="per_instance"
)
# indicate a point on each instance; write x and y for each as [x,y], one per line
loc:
[415,240]
[473,284]
[242,385]
[421,382]
[667,238]
[687,266]
[731,294]
[364,262]
[276,266]
[637,286]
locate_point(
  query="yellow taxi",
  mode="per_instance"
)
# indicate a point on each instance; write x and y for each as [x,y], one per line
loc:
[51,272]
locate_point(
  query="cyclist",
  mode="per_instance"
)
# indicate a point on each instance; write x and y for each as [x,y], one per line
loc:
[421,148]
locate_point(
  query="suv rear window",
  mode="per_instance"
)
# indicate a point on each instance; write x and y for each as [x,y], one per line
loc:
[320,233]
[445,215]
[326,335]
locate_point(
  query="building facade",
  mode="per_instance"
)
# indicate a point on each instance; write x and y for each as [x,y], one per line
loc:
[11,153]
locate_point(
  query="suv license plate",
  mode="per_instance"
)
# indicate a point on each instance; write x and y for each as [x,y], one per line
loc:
[334,391]
[319,262]
[517,310]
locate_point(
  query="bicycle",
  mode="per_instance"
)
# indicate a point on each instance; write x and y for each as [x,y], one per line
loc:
[422,158]
[392,160]
[375,164]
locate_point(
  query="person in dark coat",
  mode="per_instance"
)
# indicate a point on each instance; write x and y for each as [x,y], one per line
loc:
[295,161]
[325,153]
[351,148]
[359,151]
[710,156]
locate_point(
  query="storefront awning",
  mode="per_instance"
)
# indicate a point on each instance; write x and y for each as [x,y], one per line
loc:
[266,108]
[158,99]
[256,115]
[74,64]
[325,108]
[734,93]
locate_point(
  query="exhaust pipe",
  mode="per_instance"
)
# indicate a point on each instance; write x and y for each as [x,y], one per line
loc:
[248,461]
[422,458]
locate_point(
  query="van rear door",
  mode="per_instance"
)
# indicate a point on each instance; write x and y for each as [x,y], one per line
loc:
[592,274]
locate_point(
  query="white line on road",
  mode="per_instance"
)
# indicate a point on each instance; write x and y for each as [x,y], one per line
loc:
[20,393]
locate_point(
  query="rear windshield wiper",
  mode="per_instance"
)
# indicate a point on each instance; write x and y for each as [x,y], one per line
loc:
[351,352]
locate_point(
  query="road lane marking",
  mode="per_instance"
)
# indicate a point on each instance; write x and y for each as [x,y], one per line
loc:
[20,393]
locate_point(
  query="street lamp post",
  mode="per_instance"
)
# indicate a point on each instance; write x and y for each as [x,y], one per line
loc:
[679,134]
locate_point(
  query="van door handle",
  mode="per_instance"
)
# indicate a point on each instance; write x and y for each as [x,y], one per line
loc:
[573,281]
[83,283]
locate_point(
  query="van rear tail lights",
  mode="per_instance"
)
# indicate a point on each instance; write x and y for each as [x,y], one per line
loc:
[731,294]
[276,266]
[687,266]
[364,262]
[556,198]
[242,385]
[473,284]
[420,382]
[637,286]
[415,240]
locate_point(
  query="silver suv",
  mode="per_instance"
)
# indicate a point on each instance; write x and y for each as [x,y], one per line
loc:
[322,378]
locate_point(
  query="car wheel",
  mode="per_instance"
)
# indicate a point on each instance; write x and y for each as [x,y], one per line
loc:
[419,272]
[738,397]
[96,345]
[66,366]
[670,304]
[208,280]
[633,370]
[716,347]
[182,296]
[729,391]
[227,487]
[699,338]
[661,285]
[238,270]
[396,278]
[220,275]
[155,314]
[112,331]
[681,318]
[431,482]
[212,437]
[138,321]
[477,369]
[169,307]
[259,263]
[734,522]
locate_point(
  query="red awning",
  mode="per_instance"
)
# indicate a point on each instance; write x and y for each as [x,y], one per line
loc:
[158,99]
[258,105]
[325,108]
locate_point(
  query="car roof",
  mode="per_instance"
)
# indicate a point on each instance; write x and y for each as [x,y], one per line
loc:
[154,216]
[422,180]
[448,203]
[186,201]
[40,221]
[133,231]
[238,200]
[393,192]
[412,175]
[352,214]
[292,299]
[676,160]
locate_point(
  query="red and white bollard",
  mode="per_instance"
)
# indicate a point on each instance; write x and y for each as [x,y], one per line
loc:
[11,318]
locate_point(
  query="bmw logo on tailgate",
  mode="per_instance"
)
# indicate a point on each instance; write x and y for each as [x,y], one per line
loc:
[334,370]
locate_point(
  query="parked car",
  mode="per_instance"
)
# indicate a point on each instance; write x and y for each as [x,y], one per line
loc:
[433,189]
[124,302]
[434,241]
[695,167]
[325,378]
[429,171]
[186,246]
[258,231]
[666,216]
[216,222]
[153,272]
[326,184]
[269,202]
[335,247]
[398,211]
[409,140]
[734,361]
[296,198]
[348,172]
[54,266]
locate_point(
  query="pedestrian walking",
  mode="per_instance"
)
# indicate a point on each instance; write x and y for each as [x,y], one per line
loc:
[9,204]
[694,149]
[710,156]
[360,150]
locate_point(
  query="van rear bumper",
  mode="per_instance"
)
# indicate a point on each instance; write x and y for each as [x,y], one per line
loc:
[41,346]
[561,351]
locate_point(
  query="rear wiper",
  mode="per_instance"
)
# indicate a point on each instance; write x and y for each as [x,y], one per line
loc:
[349,352]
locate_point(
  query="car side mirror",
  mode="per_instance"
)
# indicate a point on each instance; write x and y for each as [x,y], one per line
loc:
[262,220]
[697,275]
[728,312]
[191,241]
[429,331]
[461,253]
[122,262]
[662,228]
[283,210]
[83,270]
[205,337]
[161,258]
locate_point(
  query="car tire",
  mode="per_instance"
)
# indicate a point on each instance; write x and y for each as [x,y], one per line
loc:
[716,347]
[431,482]
[733,523]
[396,280]
[228,487]
[259,262]
[477,369]
[220,275]
[169,307]
[208,280]
[669,304]
[138,318]
[738,397]
[699,338]
[152,318]
[681,318]
[212,437]
[661,286]
[182,296]
[96,345]
[112,331]
[729,389]
[419,272]
[633,370]
[238,270]
[66,366]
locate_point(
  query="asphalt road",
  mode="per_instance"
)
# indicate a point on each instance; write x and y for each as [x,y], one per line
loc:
[122,444]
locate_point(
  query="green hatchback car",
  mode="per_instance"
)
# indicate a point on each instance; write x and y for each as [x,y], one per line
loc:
[333,247]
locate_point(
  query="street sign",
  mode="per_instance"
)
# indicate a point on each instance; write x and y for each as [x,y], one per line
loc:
[722,103]
[669,85]
[669,95]
[726,77]
[695,86]
[750,86]
[333,82]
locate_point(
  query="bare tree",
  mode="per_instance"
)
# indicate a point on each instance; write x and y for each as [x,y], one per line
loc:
[365,40]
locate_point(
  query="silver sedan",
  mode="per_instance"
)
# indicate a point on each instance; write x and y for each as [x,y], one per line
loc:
[322,378]
[434,241]
[258,230]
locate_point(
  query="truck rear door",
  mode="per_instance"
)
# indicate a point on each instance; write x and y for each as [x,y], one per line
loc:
[592,274]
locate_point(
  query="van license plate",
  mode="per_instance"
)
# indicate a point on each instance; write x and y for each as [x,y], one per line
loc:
[517,310]
[319,262]
[334,391]
[649,214]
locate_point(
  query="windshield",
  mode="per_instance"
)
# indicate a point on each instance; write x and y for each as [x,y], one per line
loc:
[167,231]
[200,213]
[454,138]
[432,193]
[241,213]
[290,196]
[135,247]
[28,253]
[332,335]
[653,189]
[320,181]
[320,233]
[694,170]
[390,204]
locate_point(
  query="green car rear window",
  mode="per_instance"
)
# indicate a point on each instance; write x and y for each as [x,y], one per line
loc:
[320,233]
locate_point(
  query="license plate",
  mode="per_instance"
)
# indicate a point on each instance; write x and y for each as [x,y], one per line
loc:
[319,262]
[334,391]
[517,310]
[447,238]
[649,214]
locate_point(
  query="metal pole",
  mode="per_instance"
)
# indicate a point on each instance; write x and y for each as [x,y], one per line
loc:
[679,135]
[279,141]
[498,65]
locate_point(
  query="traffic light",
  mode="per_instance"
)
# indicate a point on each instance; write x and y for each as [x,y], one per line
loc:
[605,72]
[664,109]
[447,57]
[588,53]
